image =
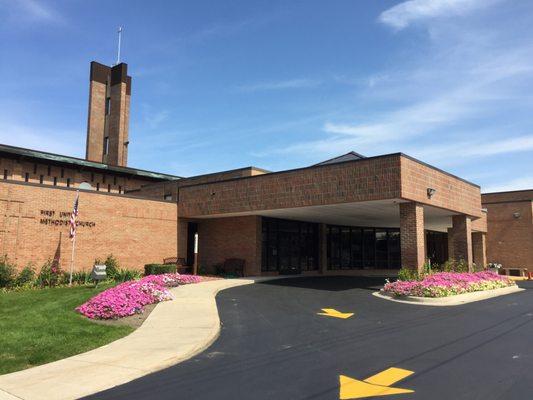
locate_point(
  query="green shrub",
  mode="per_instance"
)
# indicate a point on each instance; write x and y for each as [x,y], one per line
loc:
[158,269]
[408,274]
[7,272]
[50,275]
[112,265]
[124,275]
[461,266]
[81,277]
[449,266]
[26,277]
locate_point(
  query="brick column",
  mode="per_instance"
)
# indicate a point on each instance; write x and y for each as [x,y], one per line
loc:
[479,248]
[322,248]
[412,239]
[460,239]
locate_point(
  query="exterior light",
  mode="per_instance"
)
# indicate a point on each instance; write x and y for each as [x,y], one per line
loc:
[431,192]
[516,215]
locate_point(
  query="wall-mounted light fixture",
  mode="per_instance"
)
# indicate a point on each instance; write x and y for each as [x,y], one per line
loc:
[431,192]
[516,215]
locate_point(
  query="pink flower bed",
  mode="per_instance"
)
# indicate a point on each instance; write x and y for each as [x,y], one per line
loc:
[444,284]
[130,297]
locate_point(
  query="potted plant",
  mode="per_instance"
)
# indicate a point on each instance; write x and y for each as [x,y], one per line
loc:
[494,267]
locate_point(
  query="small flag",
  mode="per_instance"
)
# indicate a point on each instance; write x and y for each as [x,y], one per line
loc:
[73,217]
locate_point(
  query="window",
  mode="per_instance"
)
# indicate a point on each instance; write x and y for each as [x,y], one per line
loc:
[26,177]
[167,196]
[68,182]
[5,173]
[289,245]
[106,145]
[358,248]
[55,180]
[41,179]
[107,105]
[49,172]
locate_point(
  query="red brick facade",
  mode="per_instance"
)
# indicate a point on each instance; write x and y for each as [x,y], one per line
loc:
[34,227]
[224,238]
[412,236]
[510,228]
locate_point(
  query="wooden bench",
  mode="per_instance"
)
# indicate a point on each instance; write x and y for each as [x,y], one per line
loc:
[231,266]
[521,272]
[181,266]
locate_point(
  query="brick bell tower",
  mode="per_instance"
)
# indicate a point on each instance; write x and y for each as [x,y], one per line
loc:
[109,114]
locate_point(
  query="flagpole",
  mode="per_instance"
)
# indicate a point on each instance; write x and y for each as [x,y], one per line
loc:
[72,260]
[74,218]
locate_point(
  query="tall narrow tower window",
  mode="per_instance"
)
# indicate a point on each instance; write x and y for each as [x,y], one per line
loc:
[108,105]
[106,146]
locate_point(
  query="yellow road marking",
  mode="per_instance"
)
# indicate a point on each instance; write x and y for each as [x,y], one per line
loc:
[331,312]
[389,376]
[376,385]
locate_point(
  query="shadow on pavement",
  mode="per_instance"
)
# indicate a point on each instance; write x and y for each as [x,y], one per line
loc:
[330,283]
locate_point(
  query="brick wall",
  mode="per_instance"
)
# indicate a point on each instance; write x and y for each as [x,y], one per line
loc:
[510,238]
[136,231]
[16,170]
[375,178]
[412,235]
[367,179]
[161,189]
[221,238]
[451,193]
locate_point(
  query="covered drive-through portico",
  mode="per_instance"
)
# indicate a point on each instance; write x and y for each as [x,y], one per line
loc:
[368,216]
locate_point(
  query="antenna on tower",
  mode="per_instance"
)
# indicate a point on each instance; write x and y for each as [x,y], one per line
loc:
[119,41]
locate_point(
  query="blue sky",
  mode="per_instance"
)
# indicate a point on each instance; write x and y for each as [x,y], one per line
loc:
[281,84]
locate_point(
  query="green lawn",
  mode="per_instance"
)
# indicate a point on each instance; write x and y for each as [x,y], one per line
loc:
[39,326]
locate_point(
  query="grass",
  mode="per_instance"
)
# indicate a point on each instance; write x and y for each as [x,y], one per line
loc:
[40,326]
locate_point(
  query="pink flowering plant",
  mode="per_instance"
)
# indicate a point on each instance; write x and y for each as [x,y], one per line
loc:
[130,297]
[444,284]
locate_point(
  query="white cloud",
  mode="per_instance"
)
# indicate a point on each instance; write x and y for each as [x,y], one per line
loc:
[402,15]
[280,85]
[45,139]
[522,183]
[22,12]
[474,149]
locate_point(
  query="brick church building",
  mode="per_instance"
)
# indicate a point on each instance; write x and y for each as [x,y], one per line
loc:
[351,214]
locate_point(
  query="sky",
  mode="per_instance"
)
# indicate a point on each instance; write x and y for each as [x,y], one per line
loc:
[219,85]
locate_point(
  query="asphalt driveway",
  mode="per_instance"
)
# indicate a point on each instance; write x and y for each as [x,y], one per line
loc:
[273,345]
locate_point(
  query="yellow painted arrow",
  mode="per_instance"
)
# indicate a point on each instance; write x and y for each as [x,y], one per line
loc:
[376,385]
[331,312]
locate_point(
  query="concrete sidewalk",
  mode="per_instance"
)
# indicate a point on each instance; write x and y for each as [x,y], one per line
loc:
[174,331]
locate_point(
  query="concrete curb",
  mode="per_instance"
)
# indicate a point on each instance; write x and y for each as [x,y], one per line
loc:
[174,332]
[456,300]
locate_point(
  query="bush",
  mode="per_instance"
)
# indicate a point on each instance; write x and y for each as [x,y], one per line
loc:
[158,269]
[81,277]
[124,275]
[408,274]
[112,265]
[26,277]
[50,275]
[7,272]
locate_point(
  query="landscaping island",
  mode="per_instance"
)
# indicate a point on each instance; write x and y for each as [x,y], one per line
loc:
[448,288]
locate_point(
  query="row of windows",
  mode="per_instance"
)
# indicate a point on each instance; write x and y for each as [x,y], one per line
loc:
[68,182]
[62,174]
[361,248]
[289,245]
